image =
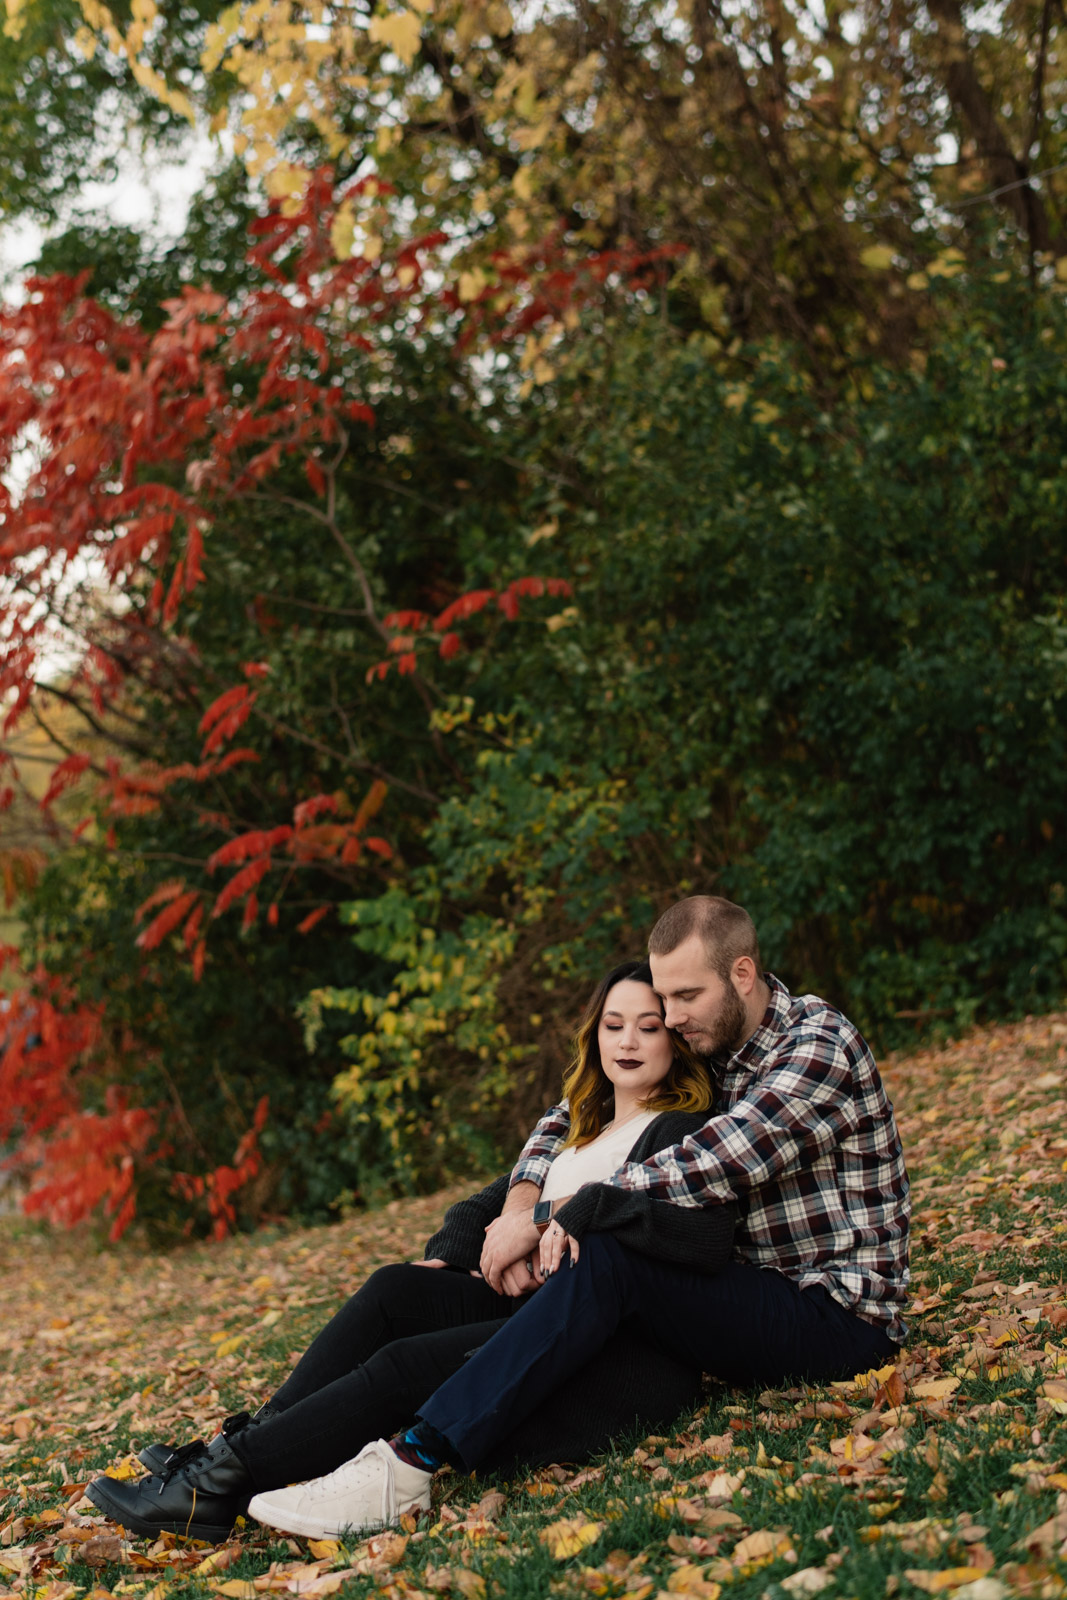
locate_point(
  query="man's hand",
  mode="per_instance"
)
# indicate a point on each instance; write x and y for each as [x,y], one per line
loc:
[511,1238]
[522,1277]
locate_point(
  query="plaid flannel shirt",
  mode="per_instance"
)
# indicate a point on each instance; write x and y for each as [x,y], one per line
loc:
[806,1141]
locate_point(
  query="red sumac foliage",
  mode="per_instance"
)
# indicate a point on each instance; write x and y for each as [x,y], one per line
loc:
[140,442]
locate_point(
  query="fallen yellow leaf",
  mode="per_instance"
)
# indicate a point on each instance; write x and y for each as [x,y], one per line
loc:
[689,1579]
[218,1560]
[571,1534]
[937,1582]
[808,1581]
[721,1485]
[469,1584]
[935,1388]
[764,1544]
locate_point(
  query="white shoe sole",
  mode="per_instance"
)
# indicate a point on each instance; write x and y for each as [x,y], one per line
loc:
[286,1520]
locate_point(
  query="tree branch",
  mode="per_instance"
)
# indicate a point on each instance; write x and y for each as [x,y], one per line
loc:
[972,103]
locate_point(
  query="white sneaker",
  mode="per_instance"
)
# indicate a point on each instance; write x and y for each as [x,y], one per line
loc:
[371,1491]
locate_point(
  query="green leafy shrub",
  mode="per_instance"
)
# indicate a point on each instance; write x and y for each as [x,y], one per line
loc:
[816,660]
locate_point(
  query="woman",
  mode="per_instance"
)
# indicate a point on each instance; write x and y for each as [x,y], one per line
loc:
[634,1088]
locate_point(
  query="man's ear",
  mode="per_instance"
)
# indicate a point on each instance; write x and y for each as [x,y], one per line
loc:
[744,975]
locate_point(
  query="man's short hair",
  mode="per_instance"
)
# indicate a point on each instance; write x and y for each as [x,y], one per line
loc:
[725,930]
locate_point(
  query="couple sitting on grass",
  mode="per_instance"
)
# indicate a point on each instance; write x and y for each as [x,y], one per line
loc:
[722,1190]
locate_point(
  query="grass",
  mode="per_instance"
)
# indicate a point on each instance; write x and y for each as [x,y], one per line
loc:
[947,1475]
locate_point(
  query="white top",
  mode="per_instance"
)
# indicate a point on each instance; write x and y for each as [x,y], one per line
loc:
[595,1162]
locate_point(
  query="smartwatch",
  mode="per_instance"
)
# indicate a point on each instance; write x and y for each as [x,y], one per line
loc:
[542,1215]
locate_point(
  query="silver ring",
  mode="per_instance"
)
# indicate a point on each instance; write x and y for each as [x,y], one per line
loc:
[529,1266]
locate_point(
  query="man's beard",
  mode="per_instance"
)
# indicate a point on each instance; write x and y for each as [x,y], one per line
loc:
[728,1029]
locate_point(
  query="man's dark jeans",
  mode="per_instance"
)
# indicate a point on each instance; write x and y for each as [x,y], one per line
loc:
[745,1324]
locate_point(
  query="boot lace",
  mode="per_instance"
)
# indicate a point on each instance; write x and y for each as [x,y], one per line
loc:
[181,1458]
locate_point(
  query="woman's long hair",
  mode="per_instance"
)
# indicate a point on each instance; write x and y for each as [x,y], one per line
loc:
[589,1092]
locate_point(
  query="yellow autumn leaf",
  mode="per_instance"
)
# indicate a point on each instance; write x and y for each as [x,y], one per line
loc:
[471,1585]
[935,1388]
[570,1535]
[286,180]
[342,232]
[400,31]
[471,285]
[237,1589]
[218,1560]
[764,1544]
[16,20]
[689,1579]
[129,1467]
[808,1581]
[938,1582]
[722,1485]
[947,265]
[228,1346]
[1054,1393]
[323,1549]
[877,257]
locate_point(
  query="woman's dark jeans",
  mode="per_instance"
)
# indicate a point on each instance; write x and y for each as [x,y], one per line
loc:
[407,1331]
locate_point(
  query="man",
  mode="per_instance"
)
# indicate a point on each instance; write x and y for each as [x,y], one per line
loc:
[804,1139]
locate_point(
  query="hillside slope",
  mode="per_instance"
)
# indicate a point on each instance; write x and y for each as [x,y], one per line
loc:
[943,1474]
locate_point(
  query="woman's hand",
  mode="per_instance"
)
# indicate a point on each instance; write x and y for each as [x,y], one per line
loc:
[436,1261]
[554,1245]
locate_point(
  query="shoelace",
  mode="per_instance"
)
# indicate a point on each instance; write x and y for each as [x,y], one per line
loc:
[179,1459]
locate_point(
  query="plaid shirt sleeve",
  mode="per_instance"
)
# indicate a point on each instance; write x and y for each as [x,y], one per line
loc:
[801,1107]
[542,1147]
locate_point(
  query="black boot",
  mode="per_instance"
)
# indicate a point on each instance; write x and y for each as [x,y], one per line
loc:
[156,1456]
[199,1494]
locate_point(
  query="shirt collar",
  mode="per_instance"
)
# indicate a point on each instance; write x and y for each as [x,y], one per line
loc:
[768,1035]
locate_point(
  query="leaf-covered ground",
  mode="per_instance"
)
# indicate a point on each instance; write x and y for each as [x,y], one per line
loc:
[945,1473]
